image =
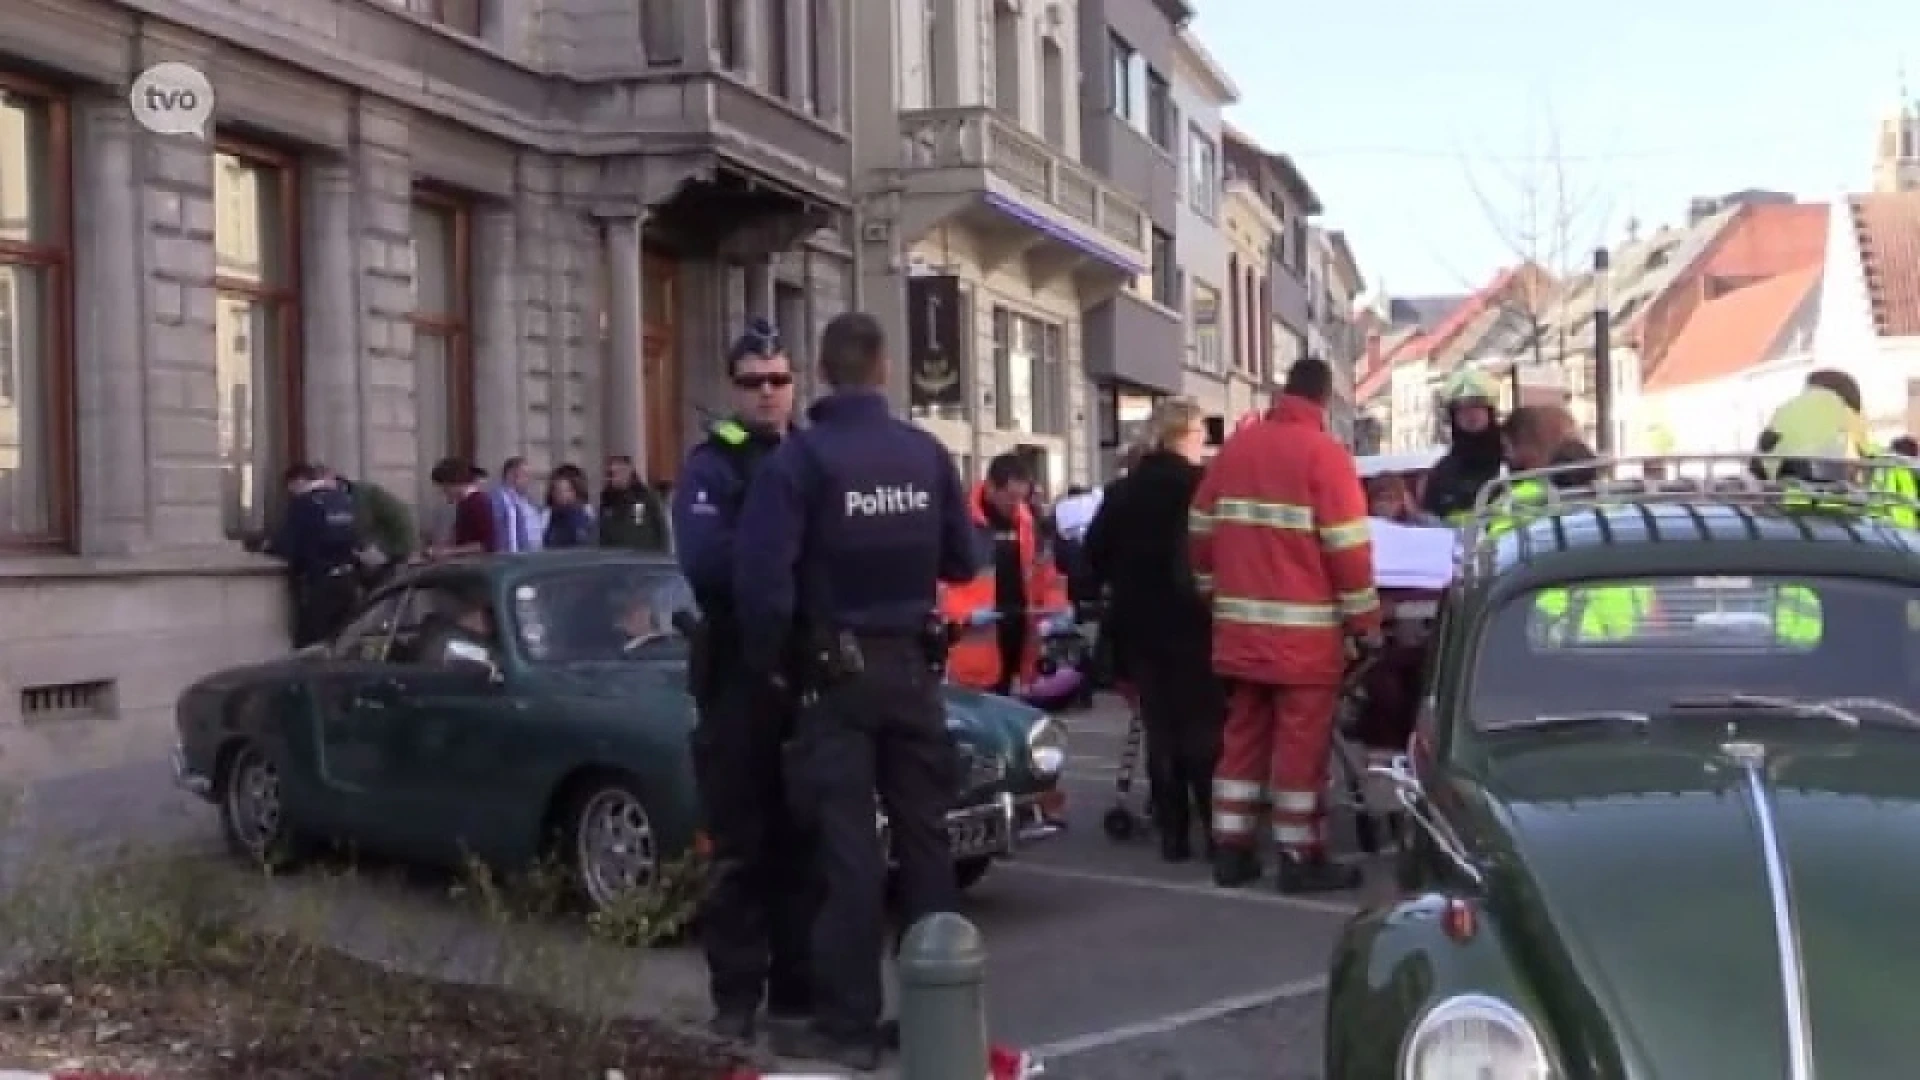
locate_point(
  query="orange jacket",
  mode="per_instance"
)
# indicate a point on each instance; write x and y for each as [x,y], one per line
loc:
[1279,536]
[975,658]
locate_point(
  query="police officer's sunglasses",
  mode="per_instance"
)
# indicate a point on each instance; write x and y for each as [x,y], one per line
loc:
[770,380]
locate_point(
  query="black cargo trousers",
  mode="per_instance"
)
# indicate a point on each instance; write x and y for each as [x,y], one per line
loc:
[763,890]
[881,732]
[323,601]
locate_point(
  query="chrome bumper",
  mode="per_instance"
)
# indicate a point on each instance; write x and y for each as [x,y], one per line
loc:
[994,830]
[188,780]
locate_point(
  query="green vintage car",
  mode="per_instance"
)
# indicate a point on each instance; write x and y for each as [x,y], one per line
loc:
[1678,844]
[526,707]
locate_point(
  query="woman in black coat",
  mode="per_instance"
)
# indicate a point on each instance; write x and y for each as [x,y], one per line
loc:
[1163,633]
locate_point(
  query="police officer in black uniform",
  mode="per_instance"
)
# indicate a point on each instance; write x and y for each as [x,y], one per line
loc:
[761,896]
[855,519]
[320,544]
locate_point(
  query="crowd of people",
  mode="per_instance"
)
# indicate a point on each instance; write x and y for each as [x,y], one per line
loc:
[1240,590]
[340,536]
[843,569]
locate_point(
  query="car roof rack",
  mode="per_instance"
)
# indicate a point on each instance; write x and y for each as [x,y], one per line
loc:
[1845,489]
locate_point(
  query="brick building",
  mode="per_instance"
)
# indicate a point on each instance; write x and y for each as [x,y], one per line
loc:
[490,227]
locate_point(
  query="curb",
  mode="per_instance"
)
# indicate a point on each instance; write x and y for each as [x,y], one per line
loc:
[1002,1064]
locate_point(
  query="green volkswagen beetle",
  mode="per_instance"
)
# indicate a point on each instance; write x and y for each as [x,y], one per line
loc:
[1676,841]
[527,707]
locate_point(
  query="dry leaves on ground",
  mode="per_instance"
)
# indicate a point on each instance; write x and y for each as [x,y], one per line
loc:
[265,1007]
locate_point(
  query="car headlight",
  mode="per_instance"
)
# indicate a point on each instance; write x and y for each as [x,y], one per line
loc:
[1474,1035]
[1048,745]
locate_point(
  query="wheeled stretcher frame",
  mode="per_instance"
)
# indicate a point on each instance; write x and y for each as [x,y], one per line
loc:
[1378,706]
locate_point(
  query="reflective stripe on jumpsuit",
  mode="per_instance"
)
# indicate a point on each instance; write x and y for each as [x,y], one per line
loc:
[1276,747]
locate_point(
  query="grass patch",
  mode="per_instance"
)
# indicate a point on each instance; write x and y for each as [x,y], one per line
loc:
[189,968]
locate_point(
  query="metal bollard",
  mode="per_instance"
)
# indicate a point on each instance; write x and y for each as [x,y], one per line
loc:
[943,1007]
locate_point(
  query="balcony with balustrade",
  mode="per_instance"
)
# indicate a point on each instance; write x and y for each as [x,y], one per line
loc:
[1026,200]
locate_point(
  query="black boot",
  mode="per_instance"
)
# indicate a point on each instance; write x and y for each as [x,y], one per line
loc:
[1235,866]
[1314,874]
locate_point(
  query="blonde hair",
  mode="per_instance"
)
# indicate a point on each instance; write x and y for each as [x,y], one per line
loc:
[1172,420]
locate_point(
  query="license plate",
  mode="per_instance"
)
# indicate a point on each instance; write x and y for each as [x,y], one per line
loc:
[1419,609]
[975,835]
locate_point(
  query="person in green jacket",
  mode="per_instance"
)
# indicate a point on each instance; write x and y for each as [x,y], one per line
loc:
[632,514]
[384,523]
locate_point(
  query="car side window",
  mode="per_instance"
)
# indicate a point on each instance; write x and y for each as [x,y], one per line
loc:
[365,637]
[436,609]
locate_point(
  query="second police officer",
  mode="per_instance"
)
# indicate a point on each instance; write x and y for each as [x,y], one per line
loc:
[320,544]
[759,908]
[852,523]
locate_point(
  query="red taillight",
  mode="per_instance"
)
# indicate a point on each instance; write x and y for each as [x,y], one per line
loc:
[702,843]
[1458,920]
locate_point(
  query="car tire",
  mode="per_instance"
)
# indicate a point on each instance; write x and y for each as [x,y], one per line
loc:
[253,815]
[968,872]
[610,844]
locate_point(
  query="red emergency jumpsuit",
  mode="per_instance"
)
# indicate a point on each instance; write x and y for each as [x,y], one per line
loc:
[975,658]
[1279,536]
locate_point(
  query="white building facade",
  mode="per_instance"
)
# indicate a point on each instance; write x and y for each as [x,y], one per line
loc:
[1410,423]
[986,240]
[1202,91]
[1882,350]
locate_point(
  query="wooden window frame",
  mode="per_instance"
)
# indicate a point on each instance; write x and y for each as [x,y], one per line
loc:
[55,261]
[290,388]
[455,328]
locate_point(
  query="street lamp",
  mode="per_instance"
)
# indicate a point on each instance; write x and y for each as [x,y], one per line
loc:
[1602,353]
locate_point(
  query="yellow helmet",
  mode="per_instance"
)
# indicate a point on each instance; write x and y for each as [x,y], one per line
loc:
[1469,386]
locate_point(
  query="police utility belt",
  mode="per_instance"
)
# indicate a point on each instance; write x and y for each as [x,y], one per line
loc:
[835,657]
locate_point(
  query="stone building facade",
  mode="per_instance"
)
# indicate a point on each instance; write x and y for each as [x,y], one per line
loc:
[988,243]
[413,228]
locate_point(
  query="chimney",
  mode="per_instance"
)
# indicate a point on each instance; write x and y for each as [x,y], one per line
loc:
[1373,353]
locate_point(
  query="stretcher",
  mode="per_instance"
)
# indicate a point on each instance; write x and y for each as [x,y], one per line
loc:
[1379,705]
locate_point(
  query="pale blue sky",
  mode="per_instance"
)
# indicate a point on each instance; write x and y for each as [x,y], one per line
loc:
[1398,109]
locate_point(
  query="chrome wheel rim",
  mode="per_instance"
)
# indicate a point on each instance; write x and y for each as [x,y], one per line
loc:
[253,803]
[616,850]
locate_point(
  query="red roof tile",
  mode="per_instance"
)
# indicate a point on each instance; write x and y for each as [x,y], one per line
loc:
[1887,228]
[1733,332]
[1397,347]
[1769,239]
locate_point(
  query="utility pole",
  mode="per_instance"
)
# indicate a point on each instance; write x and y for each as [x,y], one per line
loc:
[1602,353]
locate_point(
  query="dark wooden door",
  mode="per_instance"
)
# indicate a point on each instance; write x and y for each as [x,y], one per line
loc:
[660,367]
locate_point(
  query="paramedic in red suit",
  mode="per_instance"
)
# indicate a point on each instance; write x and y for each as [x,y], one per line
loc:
[1280,540]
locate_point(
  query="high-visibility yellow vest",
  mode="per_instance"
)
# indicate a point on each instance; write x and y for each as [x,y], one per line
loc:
[1815,423]
[1894,476]
[1595,613]
[1583,614]
[1796,616]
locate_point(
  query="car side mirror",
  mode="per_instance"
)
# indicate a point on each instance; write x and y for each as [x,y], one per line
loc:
[474,657]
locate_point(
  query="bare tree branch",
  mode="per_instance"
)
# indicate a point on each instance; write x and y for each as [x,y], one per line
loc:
[1545,219]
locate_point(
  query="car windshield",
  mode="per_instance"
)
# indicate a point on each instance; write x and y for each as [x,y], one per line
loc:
[1656,646]
[601,614]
